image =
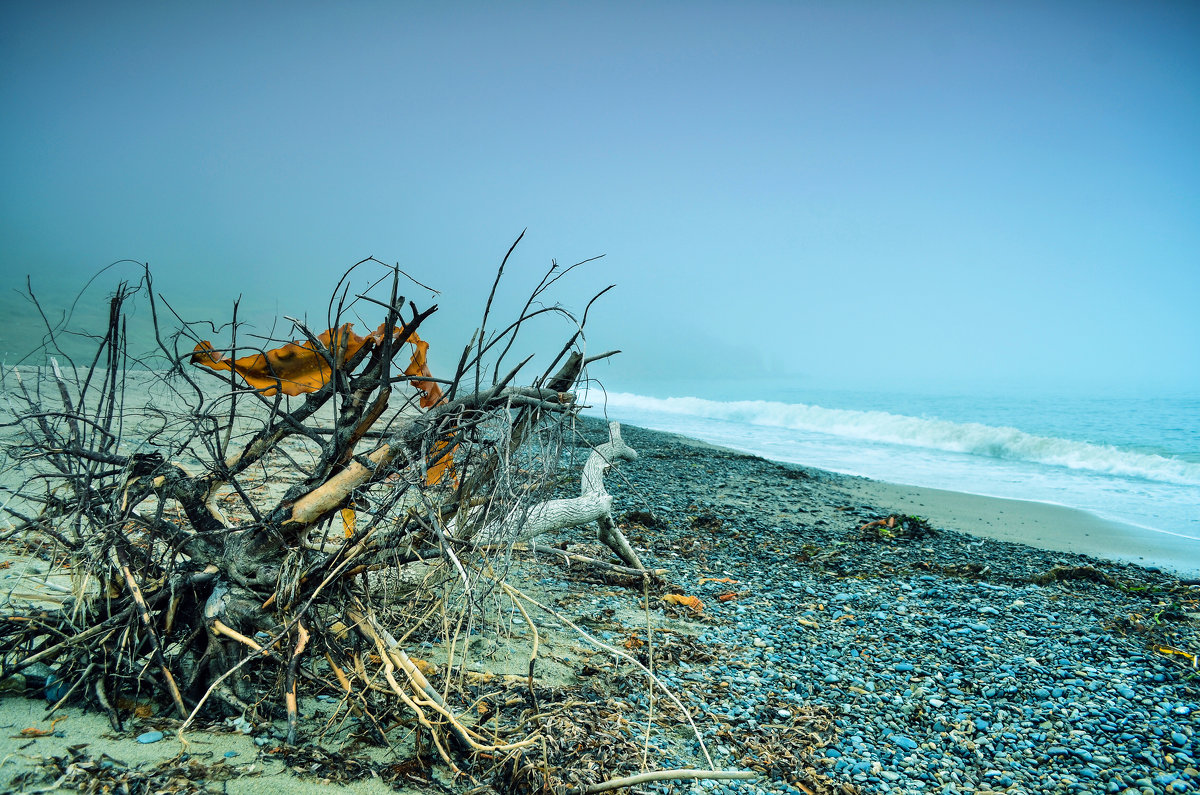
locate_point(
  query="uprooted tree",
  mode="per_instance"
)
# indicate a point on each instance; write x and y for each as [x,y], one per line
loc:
[253,520]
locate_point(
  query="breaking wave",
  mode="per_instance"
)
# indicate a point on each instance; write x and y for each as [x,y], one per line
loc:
[959,437]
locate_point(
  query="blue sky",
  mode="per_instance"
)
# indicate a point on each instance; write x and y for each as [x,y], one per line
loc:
[952,194]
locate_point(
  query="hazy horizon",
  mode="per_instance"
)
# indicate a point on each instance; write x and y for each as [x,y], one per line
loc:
[930,195]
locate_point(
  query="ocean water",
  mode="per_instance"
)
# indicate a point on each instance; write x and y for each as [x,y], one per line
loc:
[1134,460]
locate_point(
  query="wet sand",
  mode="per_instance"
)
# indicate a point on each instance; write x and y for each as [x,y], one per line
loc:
[1041,525]
[1037,524]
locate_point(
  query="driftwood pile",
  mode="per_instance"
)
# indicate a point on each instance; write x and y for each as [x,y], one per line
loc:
[237,529]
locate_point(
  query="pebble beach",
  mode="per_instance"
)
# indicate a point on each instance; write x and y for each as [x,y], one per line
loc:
[949,662]
[837,643]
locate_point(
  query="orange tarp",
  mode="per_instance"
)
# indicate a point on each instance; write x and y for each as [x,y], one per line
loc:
[680,599]
[419,366]
[297,368]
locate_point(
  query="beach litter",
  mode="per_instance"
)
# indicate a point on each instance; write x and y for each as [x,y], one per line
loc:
[691,602]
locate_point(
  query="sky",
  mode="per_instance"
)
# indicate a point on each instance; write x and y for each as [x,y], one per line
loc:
[944,194]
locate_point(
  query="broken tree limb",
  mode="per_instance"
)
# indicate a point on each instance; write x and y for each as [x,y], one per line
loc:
[594,504]
[593,482]
[148,623]
[573,557]
[293,714]
[335,491]
[679,774]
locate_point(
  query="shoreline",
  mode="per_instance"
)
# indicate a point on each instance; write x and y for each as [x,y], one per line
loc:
[1042,525]
[826,657]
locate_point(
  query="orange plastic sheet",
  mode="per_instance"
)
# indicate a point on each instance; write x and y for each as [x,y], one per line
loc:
[443,465]
[348,521]
[419,366]
[689,601]
[298,368]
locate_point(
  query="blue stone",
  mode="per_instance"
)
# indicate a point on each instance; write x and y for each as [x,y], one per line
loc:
[150,737]
[907,743]
[903,666]
[55,688]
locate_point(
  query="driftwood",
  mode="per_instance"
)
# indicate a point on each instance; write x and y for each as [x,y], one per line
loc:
[594,504]
[571,557]
[245,526]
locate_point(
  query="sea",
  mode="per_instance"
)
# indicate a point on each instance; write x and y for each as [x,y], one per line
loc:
[1134,460]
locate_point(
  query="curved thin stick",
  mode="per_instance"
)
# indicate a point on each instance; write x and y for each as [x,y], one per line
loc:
[668,775]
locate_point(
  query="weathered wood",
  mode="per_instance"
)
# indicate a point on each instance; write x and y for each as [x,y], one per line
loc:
[213,544]
[594,504]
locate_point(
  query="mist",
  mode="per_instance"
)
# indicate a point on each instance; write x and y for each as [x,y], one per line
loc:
[997,196]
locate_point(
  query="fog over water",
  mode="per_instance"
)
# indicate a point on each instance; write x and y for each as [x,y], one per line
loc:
[992,196]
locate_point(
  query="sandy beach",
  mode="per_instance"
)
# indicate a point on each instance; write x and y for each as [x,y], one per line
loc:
[1001,646]
[1041,525]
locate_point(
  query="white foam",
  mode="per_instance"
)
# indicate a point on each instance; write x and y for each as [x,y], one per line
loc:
[880,426]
